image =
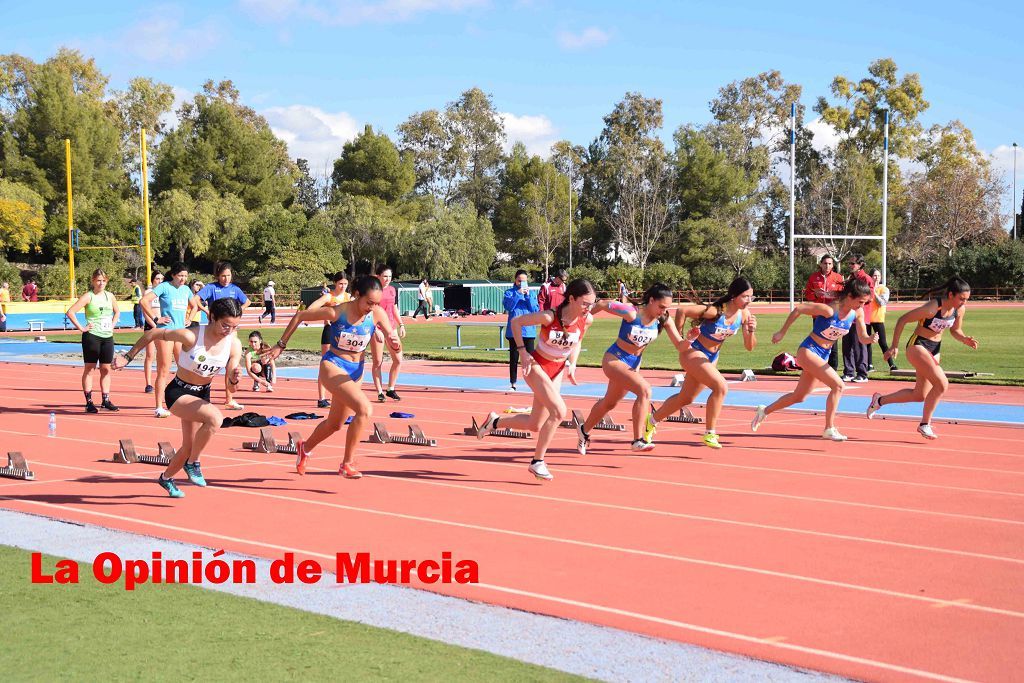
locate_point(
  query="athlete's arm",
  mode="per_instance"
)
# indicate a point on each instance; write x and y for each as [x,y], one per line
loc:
[117,313]
[384,323]
[574,354]
[957,331]
[75,308]
[862,329]
[328,314]
[233,372]
[807,308]
[625,311]
[184,335]
[749,327]
[673,333]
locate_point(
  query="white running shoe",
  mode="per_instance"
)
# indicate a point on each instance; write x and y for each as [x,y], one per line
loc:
[759,417]
[488,425]
[926,431]
[582,438]
[512,387]
[540,470]
[874,405]
[161,412]
[832,434]
[270,388]
[641,445]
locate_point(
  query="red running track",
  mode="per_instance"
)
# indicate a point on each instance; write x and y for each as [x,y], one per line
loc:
[883,558]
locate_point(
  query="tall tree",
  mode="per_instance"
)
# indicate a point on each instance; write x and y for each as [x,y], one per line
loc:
[21,216]
[307,193]
[370,165]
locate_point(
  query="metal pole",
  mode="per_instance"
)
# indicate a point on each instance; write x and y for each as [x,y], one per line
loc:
[1013,202]
[885,200]
[71,223]
[145,209]
[792,204]
[570,216]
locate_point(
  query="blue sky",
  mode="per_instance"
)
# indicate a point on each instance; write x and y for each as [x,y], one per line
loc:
[321,69]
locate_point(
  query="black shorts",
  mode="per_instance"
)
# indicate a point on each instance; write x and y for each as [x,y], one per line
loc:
[97,349]
[325,336]
[932,347]
[176,389]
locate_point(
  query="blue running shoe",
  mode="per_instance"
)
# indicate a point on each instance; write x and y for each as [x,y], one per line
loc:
[195,475]
[168,485]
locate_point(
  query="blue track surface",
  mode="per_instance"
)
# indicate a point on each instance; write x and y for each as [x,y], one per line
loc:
[30,352]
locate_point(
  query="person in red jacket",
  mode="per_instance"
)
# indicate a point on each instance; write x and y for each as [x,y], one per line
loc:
[823,287]
[855,353]
[552,293]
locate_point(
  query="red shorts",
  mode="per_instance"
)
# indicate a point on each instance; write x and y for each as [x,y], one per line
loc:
[551,368]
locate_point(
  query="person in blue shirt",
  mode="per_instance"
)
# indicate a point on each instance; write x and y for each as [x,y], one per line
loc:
[222,288]
[173,295]
[519,300]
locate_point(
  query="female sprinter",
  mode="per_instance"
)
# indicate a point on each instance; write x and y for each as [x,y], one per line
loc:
[945,309]
[621,362]
[558,346]
[341,369]
[101,315]
[173,295]
[205,350]
[389,304]
[831,323]
[714,323]
[338,294]
[262,374]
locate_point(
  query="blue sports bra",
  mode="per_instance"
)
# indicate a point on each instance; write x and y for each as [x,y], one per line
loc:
[718,329]
[833,327]
[939,322]
[351,337]
[637,333]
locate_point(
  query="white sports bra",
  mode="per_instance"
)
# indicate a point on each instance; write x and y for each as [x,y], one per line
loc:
[200,360]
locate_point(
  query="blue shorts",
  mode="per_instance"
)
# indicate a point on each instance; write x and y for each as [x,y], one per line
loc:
[712,357]
[822,352]
[630,359]
[354,368]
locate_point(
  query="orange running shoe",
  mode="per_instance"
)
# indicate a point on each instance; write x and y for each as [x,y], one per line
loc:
[349,472]
[301,457]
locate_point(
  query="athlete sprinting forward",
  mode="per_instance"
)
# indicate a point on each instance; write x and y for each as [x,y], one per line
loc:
[341,369]
[558,346]
[389,304]
[173,295]
[338,294]
[205,351]
[621,362]
[715,323]
[945,310]
[101,314]
[830,324]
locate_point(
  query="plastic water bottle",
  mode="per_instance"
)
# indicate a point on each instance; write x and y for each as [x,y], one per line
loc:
[53,424]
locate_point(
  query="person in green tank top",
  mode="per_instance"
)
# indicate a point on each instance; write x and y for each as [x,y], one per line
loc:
[101,314]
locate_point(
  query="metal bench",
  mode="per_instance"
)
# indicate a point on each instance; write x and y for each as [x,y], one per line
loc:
[35,325]
[458,325]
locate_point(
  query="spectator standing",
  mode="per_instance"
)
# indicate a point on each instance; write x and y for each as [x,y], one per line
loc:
[855,352]
[552,293]
[519,300]
[823,287]
[5,298]
[223,288]
[423,300]
[269,303]
[140,320]
[30,292]
[623,292]
[878,318]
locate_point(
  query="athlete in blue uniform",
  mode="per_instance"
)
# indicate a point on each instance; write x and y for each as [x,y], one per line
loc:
[222,288]
[830,324]
[945,310]
[173,296]
[621,362]
[352,325]
[714,323]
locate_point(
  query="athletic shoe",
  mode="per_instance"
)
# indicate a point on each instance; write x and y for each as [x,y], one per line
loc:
[870,368]
[832,434]
[582,438]
[893,368]
[874,405]
[860,378]
[759,417]
[168,485]
[107,405]
[641,445]
[650,427]
[256,387]
[161,412]
[393,395]
[380,397]
[149,389]
[323,403]
[512,388]
[195,475]
[270,389]
[234,405]
[926,431]
[301,457]
[847,378]
[710,440]
[349,472]
[540,470]
[90,407]
[488,425]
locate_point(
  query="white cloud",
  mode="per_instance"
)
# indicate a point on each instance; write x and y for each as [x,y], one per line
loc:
[163,36]
[589,37]
[536,132]
[825,137]
[312,133]
[181,95]
[352,12]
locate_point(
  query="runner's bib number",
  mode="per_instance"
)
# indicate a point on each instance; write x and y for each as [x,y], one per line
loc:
[559,339]
[940,324]
[834,333]
[105,324]
[641,336]
[348,341]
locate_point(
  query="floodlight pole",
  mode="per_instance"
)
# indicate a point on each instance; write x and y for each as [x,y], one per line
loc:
[792,204]
[570,215]
[1013,201]
[145,208]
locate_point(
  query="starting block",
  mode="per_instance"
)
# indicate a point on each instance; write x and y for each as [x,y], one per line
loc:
[267,443]
[127,454]
[685,416]
[748,376]
[16,468]
[507,433]
[606,422]
[677,380]
[416,437]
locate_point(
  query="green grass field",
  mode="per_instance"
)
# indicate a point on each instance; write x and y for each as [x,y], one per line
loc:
[90,631]
[998,330]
